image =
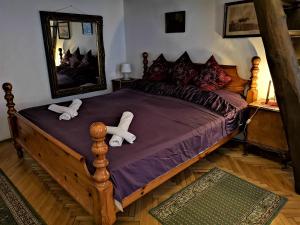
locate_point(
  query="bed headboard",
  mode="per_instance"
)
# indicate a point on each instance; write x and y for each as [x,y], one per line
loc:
[237,85]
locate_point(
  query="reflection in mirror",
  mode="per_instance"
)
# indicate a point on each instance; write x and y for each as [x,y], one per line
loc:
[75,50]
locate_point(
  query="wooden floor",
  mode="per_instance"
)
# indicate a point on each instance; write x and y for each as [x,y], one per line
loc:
[56,207]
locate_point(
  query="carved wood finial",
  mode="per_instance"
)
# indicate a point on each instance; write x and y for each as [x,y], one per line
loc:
[252,92]
[9,97]
[99,149]
[145,62]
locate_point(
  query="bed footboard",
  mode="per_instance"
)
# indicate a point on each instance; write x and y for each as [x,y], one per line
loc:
[66,166]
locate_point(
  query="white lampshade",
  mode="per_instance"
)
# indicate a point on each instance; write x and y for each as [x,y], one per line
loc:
[125,68]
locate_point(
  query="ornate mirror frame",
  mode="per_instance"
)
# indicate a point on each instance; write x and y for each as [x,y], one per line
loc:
[46,17]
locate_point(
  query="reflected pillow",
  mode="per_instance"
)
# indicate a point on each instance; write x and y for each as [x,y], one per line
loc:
[158,71]
[74,61]
[183,70]
[87,58]
[211,76]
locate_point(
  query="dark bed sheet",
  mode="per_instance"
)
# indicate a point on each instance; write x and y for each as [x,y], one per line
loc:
[169,132]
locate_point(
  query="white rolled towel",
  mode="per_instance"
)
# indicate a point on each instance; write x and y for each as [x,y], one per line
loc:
[67,112]
[124,124]
[75,105]
[129,137]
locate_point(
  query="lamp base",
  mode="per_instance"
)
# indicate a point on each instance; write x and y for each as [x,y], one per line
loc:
[126,76]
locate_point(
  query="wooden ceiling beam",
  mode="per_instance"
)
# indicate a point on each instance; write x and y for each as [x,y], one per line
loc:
[284,71]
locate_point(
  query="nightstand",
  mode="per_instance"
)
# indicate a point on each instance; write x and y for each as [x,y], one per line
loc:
[266,130]
[118,84]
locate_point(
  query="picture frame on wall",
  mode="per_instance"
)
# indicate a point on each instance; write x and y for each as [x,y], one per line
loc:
[175,22]
[240,20]
[87,28]
[64,30]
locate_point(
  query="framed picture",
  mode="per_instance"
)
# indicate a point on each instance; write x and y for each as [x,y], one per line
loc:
[240,20]
[175,22]
[64,30]
[87,28]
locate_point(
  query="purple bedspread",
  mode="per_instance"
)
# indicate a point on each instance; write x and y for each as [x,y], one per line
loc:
[169,132]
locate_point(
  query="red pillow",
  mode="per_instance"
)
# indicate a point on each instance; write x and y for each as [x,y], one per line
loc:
[183,70]
[159,70]
[211,77]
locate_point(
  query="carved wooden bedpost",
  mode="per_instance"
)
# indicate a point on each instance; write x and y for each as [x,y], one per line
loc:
[104,208]
[60,54]
[9,97]
[252,92]
[145,62]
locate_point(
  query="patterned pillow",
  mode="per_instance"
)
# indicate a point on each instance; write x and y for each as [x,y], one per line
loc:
[211,77]
[183,70]
[158,71]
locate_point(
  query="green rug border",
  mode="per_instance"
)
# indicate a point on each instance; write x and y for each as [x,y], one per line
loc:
[23,198]
[283,199]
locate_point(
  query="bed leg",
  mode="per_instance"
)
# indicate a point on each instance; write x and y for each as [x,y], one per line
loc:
[9,97]
[104,208]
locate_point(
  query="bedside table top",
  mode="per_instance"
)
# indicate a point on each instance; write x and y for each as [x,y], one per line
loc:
[122,80]
[261,104]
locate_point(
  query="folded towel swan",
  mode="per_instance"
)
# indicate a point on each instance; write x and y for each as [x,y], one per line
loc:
[118,138]
[119,133]
[129,137]
[67,113]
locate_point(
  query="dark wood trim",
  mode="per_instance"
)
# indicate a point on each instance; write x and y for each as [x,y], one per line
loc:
[225,21]
[45,21]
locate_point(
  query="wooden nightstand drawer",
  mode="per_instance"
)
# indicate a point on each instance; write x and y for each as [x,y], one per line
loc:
[266,129]
[118,84]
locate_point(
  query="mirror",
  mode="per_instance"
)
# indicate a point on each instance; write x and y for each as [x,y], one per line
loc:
[74,51]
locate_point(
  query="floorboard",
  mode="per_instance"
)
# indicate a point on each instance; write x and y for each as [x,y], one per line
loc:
[56,207]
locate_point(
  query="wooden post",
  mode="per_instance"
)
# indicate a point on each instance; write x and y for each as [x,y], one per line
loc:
[60,55]
[252,92]
[9,97]
[104,208]
[285,73]
[145,62]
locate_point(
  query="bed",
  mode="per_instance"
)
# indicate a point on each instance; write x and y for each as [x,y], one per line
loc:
[77,69]
[95,178]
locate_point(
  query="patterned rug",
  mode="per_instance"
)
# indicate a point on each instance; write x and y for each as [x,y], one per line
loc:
[14,209]
[219,197]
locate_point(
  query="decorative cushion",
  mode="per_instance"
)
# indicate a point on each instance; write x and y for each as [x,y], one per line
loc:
[211,77]
[87,58]
[158,71]
[183,70]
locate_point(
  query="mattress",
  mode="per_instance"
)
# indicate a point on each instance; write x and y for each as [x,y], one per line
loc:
[169,132]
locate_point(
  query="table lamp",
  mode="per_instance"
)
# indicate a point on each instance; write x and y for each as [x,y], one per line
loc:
[126,70]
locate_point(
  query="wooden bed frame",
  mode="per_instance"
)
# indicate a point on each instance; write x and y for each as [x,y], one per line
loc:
[69,169]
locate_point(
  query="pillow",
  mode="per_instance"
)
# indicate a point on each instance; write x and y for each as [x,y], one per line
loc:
[87,58]
[183,70]
[211,77]
[77,52]
[159,70]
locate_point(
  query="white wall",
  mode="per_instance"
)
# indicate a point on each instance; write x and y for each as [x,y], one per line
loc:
[145,31]
[22,54]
